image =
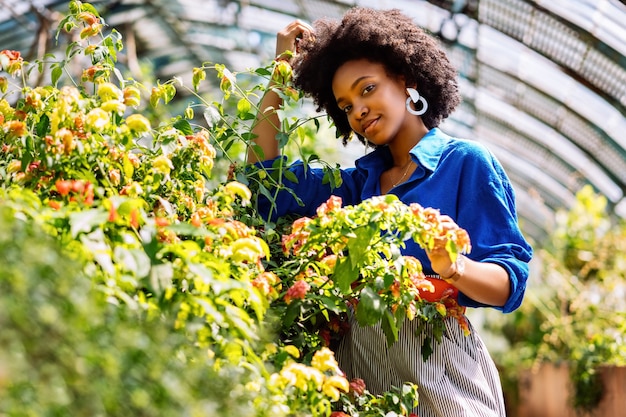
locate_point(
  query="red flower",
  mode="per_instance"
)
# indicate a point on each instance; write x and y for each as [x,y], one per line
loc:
[339,414]
[63,187]
[297,291]
[357,386]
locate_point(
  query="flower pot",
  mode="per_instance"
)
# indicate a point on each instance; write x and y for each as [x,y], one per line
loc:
[546,391]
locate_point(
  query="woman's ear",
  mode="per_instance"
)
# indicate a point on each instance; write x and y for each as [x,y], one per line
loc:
[407,87]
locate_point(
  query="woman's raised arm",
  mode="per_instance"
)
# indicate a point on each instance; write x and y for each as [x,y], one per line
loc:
[267,125]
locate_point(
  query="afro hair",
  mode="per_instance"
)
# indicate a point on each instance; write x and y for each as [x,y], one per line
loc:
[388,37]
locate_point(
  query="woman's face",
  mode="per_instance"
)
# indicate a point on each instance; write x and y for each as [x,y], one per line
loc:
[373,101]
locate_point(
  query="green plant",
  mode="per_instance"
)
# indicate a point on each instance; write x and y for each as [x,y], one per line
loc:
[67,350]
[578,314]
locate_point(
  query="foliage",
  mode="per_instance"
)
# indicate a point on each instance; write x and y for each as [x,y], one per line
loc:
[67,351]
[349,257]
[578,314]
[133,287]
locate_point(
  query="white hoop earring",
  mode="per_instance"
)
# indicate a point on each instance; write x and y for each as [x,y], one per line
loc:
[415,97]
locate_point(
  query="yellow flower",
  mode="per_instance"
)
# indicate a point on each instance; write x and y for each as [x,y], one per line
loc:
[248,249]
[97,119]
[332,386]
[235,188]
[67,138]
[299,376]
[292,351]
[6,109]
[132,96]
[109,91]
[324,360]
[162,164]
[114,106]
[138,123]
[14,166]
[207,162]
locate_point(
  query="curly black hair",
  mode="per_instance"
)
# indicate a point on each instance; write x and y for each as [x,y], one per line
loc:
[388,37]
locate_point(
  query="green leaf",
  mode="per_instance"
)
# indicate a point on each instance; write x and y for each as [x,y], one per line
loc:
[371,307]
[361,244]
[289,175]
[427,349]
[56,74]
[133,260]
[96,243]
[161,277]
[258,151]
[212,116]
[184,126]
[282,138]
[263,71]
[390,327]
[169,91]
[345,275]
[292,311]
[43,125]
[332,304]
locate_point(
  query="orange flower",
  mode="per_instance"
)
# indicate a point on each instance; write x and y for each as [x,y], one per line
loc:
[16,128]
[267,283]
[332,204]
[132,96]
[134,219]
[11,61]
[54,204]
[88,18]
[161,221]
[91,30]
[112,214]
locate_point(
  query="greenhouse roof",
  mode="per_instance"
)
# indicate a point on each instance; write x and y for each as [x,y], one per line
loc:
[543,82]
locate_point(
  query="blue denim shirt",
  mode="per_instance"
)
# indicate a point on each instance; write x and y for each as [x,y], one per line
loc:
[461,178]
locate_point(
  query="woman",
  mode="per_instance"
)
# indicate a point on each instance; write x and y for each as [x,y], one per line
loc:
[381,77]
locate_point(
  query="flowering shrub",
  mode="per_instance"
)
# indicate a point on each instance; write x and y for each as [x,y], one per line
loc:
[128,199]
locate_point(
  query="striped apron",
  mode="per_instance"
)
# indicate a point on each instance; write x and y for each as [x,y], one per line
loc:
[459,379]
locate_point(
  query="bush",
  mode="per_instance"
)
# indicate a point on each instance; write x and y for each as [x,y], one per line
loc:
[65,350]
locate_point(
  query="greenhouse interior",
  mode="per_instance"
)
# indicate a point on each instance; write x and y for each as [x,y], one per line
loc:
[138,275]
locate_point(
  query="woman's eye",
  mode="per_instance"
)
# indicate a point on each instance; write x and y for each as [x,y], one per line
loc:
[368,88]
[347,109]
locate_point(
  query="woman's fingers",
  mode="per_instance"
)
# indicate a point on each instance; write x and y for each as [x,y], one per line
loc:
[287,39]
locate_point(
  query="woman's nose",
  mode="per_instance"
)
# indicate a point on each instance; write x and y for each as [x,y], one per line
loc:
[362,111]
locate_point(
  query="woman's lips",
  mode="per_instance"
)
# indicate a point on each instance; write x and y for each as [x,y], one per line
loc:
[368,125]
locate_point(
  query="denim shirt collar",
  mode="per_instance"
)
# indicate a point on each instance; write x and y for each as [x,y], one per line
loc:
[427,153]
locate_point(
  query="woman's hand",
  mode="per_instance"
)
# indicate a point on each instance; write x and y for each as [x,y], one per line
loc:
[439,258]
[288,38]
[484,282]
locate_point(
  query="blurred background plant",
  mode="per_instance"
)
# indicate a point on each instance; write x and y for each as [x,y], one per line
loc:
[67,350]
[577,315]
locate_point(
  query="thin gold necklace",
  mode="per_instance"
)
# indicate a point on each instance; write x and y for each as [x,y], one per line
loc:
[406,170]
